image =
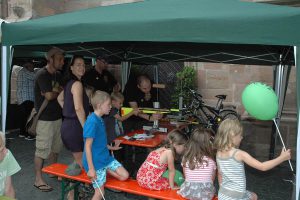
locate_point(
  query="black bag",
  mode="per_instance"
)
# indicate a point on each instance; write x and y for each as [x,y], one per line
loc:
[33,119]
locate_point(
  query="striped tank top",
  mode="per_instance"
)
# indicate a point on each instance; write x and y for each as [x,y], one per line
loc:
[233,184]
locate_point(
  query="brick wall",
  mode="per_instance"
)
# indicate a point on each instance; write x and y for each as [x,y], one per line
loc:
[216,78]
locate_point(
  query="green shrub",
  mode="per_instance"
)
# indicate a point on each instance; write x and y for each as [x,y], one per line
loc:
[185,79]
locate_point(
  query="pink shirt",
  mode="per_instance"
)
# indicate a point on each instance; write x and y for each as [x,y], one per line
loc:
[202,173]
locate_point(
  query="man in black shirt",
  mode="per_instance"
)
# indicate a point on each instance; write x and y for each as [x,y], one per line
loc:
[48,139]
[141,95]
[100,78]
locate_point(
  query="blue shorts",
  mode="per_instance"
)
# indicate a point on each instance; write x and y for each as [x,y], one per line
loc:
[101,173]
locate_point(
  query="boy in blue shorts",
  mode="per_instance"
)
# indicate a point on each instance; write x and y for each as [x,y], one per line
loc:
[96,158]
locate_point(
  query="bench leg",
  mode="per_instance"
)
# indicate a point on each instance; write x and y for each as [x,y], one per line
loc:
[76,192]
[63,188]
[66,187]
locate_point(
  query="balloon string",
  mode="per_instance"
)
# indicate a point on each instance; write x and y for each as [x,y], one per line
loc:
[282,142]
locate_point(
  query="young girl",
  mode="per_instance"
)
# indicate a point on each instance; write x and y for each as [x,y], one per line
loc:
[230,160]
[96,159]
[150,173]
[199,167]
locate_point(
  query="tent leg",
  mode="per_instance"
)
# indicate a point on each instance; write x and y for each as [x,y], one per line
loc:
[4,65]
[297,57]
[281,77]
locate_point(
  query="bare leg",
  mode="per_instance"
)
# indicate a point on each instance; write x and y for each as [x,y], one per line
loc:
[53,158]
[38,164]
[70,195]
[121,173]
[78,158]
[253,196]
[97,194]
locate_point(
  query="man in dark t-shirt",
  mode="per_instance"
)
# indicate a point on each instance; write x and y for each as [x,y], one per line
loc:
[100,78]
[47,82]
[48,140]
[141,95]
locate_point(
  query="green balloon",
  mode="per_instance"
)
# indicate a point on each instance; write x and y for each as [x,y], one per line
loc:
[178,179]
[260,101]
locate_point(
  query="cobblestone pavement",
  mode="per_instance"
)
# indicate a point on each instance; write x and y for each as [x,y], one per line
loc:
[268,185]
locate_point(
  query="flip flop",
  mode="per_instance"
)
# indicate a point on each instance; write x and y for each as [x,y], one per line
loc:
[42,187]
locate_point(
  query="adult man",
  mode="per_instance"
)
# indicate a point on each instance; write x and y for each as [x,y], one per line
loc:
[140,95]
[25,96]
[100,78]
[48,139]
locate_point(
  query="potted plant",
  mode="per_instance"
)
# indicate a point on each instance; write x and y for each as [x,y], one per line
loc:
[186,78]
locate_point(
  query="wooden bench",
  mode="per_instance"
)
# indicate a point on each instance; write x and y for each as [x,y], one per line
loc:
[129,186]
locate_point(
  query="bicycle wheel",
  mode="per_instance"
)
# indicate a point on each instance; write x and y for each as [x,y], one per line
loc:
[228,114]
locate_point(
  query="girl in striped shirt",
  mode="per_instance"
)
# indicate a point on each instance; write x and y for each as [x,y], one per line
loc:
[199,167]
[230,160]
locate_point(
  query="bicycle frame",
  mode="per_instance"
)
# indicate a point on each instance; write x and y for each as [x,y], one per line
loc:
[209,116]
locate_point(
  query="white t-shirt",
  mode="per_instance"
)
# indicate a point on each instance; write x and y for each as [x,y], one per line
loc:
[8,167]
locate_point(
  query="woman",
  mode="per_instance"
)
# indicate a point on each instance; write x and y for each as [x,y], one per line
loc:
[75,103]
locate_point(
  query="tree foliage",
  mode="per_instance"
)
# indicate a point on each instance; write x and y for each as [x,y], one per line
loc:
[186,78]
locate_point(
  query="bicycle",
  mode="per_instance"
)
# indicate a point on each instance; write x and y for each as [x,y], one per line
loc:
[207,115]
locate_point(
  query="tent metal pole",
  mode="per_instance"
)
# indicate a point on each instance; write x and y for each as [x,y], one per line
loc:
[281,77]
[156,80]
[4,87]
[297,64]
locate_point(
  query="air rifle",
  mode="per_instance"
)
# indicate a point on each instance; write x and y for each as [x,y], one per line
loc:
[126,110]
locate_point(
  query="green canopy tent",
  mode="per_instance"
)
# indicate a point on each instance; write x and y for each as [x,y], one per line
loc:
[169,30]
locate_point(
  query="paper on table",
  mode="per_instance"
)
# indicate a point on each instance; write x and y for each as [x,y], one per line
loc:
[142,136]
[126,137]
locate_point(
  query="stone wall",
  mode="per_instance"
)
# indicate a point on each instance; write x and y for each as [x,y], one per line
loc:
[217,78]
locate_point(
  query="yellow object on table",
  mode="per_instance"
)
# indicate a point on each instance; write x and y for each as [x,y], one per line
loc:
[126,110]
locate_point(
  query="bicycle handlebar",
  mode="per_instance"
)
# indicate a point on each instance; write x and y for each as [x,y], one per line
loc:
[195,94]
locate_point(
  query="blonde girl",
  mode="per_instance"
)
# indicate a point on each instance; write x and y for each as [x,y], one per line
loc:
[199,167]
[230,161]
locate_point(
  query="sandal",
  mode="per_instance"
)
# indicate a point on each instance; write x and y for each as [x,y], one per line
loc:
[44,187]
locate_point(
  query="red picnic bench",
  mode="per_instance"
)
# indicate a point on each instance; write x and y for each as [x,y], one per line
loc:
[129,186]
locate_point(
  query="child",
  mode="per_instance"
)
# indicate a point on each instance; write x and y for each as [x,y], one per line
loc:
[8,167]
[199,167]
[113,121]
[231,161]
[150,173]
[96,159]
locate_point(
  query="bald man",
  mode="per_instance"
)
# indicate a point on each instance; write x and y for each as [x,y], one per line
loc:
[142,95]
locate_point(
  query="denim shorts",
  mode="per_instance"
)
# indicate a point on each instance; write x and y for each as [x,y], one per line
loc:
[101,173]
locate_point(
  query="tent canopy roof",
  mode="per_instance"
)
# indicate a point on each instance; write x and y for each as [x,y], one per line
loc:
[198,21]
[154,52]
[182,27]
